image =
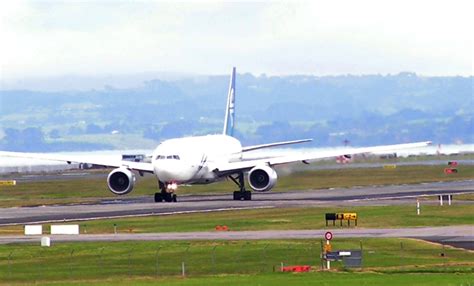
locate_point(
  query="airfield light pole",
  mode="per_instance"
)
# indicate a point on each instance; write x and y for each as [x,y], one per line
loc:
[328,263]
[184,260]
[417,207]
[328,237]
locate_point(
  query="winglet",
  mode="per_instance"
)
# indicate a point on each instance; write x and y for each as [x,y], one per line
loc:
[229,120]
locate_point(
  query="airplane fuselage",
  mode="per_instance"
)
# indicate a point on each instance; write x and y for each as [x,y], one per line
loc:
[192,159]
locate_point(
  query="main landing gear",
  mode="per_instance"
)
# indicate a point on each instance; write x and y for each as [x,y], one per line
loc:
[166,195]
[242,194]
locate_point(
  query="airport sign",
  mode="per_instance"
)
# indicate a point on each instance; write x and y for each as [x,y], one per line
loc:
[328,235]
[8,183]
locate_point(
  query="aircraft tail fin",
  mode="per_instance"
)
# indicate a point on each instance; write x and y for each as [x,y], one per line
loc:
[229,120]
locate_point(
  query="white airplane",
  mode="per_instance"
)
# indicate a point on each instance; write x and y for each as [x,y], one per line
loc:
[207,159]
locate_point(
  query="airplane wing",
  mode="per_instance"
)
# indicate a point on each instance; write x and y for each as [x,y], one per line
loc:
[138,166]
[256,147]
[311,156]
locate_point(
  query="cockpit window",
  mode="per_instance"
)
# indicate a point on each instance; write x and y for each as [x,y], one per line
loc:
[176,157]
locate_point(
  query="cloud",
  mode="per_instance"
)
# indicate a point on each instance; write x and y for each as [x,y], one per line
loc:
[50,38]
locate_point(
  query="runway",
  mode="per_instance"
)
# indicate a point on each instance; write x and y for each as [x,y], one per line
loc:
[144,206]
[462,236]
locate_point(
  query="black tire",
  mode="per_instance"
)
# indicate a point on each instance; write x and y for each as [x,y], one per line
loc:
[237,196]
[168,198]
[247,196]
[175,198]
[158,197]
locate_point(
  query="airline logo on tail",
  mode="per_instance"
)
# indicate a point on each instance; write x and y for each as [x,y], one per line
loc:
[229,121]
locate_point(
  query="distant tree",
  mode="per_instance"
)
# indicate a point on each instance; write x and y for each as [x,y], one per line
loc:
[365,109]
[12,136]
[93,129]
[54,134]
[177,129]
[75,130]
[112,127]
[33,135]
[280,131]
[319,133]
[151,132]
[275,130]
[28,139]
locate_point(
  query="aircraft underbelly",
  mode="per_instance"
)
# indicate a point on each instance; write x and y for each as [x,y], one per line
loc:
[204,176]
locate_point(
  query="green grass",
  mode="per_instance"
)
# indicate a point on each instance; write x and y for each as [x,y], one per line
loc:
[281,219]
[284,279]
[386,261]
[92,189]
[290,218]
[232,262]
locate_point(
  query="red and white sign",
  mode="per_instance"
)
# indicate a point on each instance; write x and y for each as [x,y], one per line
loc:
[328,235]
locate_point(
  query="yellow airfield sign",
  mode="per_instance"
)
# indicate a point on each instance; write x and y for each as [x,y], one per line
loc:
[7,183]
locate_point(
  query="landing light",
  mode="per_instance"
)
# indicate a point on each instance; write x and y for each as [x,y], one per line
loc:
[173,186]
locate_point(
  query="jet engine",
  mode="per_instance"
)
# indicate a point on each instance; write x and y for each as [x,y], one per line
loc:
[262,178]
[121,181]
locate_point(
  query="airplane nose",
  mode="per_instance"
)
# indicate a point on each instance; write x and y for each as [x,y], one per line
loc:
[173,171]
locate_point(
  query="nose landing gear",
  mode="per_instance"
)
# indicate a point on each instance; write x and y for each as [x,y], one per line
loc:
[167,193]
[165,197]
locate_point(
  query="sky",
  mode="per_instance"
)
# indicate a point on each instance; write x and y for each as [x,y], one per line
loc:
[41,39]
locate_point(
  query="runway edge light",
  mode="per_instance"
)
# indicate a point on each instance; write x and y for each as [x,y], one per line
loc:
[45,241]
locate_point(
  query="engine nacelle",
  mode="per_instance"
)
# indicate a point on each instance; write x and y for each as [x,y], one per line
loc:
[121,181]
[262,178]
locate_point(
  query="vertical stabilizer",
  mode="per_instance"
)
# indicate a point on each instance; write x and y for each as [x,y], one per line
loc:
[229,120]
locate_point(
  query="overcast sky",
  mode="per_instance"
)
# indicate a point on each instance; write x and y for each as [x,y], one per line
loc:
[53,38]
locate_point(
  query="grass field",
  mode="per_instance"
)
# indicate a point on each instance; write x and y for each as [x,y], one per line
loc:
[388,261]
[321,279]
[275,219]
[86,190]
[385,261]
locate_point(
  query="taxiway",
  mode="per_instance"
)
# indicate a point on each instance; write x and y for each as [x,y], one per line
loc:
[144,206]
